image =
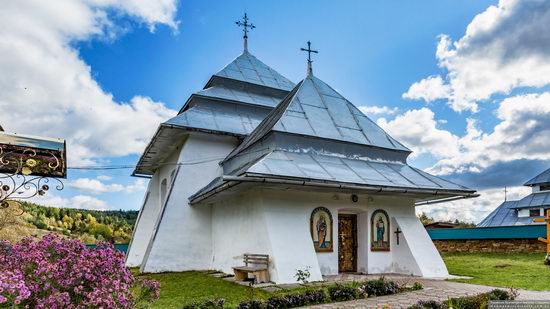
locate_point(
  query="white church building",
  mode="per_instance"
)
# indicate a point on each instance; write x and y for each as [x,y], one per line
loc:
[254,163]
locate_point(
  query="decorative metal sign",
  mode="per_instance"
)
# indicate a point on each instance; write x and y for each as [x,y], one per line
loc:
[28,164]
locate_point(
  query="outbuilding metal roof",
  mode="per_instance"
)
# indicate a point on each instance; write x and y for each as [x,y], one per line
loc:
[505,215]
[535,200]
[248,68]
[346,170]
[541,178]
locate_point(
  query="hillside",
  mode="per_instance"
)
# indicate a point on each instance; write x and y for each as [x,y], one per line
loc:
[90,226]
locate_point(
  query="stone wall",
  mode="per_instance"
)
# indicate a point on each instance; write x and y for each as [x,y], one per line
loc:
[490,245]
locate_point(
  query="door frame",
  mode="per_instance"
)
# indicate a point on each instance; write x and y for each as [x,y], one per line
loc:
[354,232]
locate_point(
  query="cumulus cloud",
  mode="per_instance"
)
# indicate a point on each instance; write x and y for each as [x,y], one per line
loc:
[95,186]
[77,201]
[418,130]
[50,90]
[505,47]
[378,110]
[472,210]
[521,134]
[428,89]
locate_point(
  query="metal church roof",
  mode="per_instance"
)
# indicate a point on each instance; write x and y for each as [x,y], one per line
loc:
[239,95]
[233,102]
[341,169]
[541,178]
[226,119]
[248,68]
[314,109]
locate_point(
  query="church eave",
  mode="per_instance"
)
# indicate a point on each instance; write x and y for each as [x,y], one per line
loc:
[228,182]
[141,167]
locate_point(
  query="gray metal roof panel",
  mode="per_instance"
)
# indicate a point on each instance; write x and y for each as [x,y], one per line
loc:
[541,178]
[248,68]
[222,92]
[314,109]
[534,200]
[503,215]
[346,170]
[227,119]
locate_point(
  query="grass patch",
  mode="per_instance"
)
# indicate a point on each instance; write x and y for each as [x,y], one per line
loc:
[177,289]
[517,270]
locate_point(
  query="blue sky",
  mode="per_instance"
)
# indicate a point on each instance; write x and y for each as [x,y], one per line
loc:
[151,58]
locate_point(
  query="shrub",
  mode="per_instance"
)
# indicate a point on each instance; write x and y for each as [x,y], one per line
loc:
[340,292]
[217,303]
[149,292]
[380,287]
[467,302]
[250,304]
[431,304]
[310,297]
[417,286]
[60,273]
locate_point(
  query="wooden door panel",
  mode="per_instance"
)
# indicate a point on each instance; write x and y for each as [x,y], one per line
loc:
[347,243]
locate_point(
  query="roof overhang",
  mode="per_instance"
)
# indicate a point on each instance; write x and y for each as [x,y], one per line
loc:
[167,138]
[231,184]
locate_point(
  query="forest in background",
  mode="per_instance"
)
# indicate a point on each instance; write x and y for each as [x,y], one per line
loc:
[25,219]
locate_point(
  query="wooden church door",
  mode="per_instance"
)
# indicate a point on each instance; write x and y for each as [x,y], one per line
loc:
[347,243]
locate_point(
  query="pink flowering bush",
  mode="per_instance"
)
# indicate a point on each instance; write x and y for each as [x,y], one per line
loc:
[60,273]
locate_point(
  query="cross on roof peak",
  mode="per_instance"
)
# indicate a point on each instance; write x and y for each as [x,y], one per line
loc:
[309,61]
[246,27]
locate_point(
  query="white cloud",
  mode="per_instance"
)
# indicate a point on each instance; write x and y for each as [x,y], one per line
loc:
[378,110]
[137,186]
[522,133]
[418,130]
[505,47]
[50,91]
[95,186]
[77,201]
[428,89]
[104,177]
[472,210]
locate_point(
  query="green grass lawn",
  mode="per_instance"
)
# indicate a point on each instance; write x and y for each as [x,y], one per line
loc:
[518,270]
[177,289]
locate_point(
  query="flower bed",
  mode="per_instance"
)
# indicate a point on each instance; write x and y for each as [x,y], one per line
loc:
[314,296]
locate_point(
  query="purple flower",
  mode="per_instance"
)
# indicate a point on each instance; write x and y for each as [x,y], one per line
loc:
[60,273]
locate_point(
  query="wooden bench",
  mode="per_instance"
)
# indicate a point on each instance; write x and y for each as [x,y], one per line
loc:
[255,264]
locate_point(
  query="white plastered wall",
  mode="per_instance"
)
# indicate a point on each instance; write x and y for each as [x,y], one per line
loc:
[416,254]
[238,227]
[287,238]
[182,236]
[149,212]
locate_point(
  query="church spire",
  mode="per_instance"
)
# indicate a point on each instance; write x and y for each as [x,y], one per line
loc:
[246,26]
[309,61]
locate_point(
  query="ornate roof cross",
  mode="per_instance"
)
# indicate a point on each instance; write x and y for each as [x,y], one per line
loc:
[309,61]
[246,26]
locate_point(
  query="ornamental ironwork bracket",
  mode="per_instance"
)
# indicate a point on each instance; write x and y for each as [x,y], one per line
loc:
[25,171]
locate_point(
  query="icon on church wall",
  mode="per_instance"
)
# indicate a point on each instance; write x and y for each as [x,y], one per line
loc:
[380,231]
[321,229]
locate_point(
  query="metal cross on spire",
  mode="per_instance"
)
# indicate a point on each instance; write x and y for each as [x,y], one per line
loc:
[246,26]
[309,61]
